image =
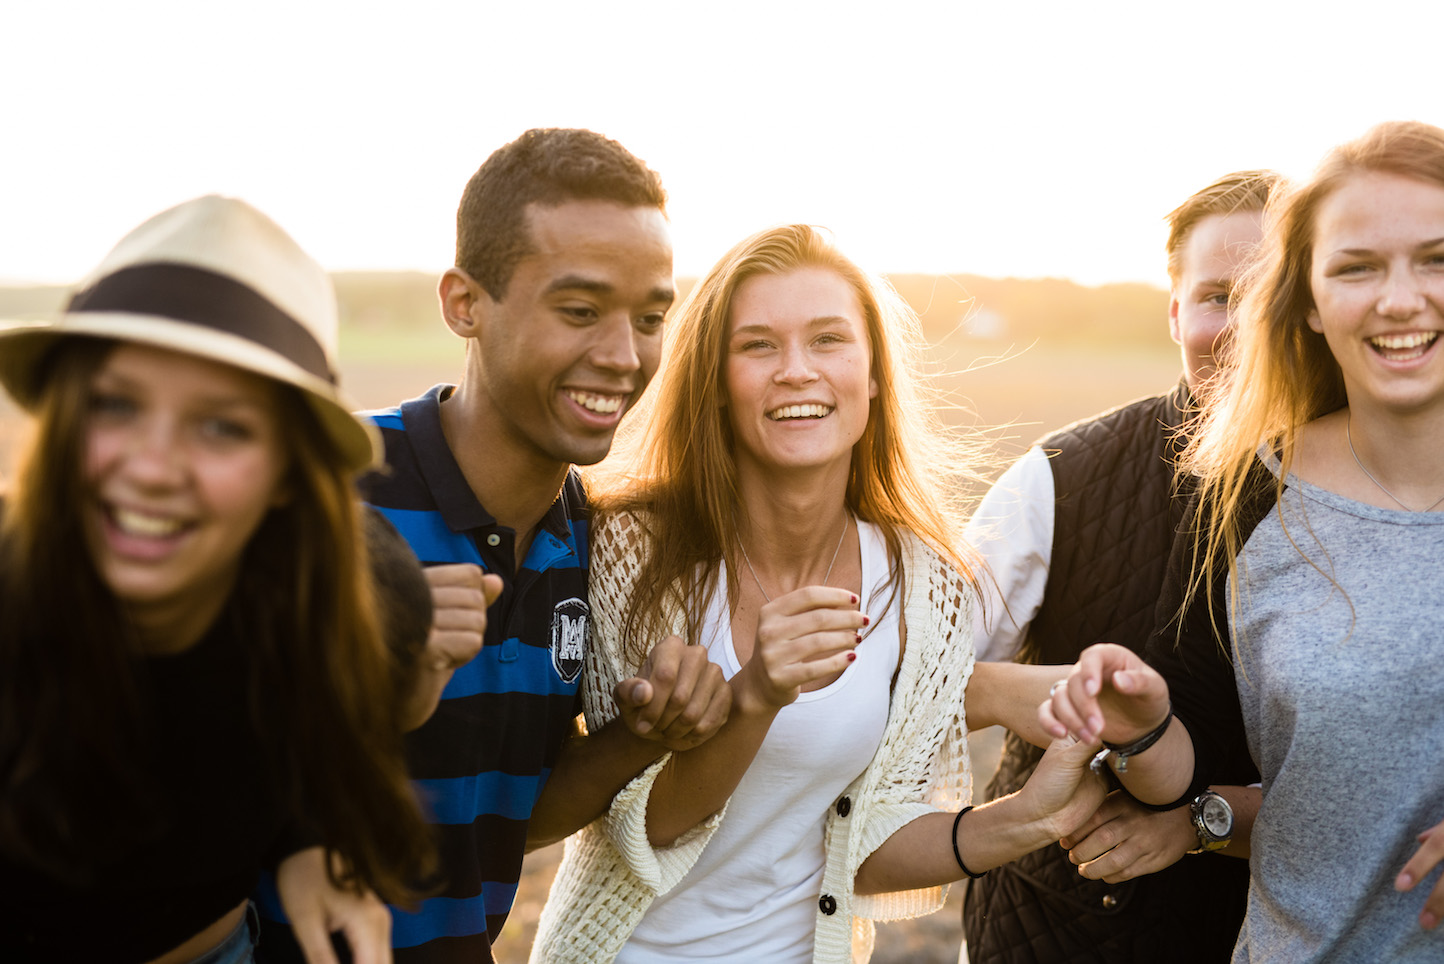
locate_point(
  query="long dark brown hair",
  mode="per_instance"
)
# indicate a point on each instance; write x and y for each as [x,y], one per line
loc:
[323,685]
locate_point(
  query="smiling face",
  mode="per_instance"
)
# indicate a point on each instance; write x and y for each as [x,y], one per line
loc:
[183,460]
[797,372]
[1377,279]
[578,334]
[1214,256]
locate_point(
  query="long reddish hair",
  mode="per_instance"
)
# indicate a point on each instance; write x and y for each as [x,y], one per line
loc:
[1282,374]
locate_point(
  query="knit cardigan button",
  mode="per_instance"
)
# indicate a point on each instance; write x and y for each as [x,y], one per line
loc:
[827,904]
[844,807]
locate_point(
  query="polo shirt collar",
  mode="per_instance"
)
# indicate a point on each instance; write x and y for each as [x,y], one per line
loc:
[459,507]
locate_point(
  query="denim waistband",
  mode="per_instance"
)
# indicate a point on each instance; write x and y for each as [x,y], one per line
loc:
[240,945]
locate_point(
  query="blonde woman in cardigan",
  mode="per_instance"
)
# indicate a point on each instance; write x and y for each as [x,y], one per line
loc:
[778,510]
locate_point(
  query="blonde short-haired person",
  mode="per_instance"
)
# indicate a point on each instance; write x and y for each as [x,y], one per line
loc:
[1076,534]
[1309,634]
[195,682]
[784,510]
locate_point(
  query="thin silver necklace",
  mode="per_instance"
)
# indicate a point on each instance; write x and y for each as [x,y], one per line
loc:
[845,520]
[1349,434]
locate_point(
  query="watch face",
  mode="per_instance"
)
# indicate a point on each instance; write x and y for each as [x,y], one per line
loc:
[1217,816]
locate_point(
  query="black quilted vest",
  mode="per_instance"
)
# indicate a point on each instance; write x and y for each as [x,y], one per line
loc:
[1114,522]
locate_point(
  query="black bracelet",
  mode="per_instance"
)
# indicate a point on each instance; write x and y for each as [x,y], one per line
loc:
[1122,751]
[958,854]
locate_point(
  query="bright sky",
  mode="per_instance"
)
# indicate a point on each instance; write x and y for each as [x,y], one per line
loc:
[996,138]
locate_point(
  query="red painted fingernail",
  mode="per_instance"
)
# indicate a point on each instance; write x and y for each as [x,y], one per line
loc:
[854,600]
[866,620]
[851,657]
[858,637]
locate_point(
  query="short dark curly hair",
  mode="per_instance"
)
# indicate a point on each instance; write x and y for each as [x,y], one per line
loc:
[546,166]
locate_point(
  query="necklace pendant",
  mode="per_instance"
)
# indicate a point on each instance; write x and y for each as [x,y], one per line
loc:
[828,575]
[1349,435]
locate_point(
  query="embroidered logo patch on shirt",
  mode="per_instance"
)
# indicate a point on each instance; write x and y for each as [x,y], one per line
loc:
[571,632]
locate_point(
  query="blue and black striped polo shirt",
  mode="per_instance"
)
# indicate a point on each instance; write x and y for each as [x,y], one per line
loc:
[482,759]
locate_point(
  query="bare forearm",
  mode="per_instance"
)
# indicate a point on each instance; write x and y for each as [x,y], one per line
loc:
[591,771]
[696,784]
[1245,802]
[1058,798]
[677,700]
[920,854]
[1164,771]
[1008,694]
[692,786]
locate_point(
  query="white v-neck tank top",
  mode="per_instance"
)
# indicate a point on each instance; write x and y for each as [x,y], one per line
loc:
[753,893]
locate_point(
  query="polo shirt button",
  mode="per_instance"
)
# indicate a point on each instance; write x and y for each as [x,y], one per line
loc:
[844,807]
[1109,901]
[493,540]
[827,904]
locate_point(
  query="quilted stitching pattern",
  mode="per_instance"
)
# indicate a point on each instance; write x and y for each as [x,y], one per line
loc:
[1188,914]
[1113,528]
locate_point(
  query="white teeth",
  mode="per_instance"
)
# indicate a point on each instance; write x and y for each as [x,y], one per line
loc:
[799,411]
[1403,342]
[138,524]
[601,404]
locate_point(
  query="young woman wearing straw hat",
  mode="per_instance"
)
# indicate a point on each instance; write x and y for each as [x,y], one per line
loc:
[194,681]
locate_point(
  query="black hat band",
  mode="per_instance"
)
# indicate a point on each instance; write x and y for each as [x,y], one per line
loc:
[201,297]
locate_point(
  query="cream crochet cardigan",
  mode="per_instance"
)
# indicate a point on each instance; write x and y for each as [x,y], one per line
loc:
[610,873]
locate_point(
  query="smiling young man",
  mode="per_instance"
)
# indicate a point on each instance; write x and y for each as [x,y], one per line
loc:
[1077,534]
[563,278]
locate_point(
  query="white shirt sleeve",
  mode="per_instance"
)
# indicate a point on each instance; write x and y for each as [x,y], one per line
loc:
[1013,532]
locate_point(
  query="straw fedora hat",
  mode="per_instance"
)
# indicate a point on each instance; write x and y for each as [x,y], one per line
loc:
[216,278]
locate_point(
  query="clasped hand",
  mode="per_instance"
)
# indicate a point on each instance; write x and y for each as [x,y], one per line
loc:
[678,698]
[1063,791]
[1110,695]
[808,634]
[460,596]
[1113,694]
[1123,839]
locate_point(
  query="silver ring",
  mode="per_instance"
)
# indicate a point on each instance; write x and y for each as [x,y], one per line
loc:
[1052,690]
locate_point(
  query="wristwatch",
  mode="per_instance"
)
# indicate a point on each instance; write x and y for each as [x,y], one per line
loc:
[1213,819]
